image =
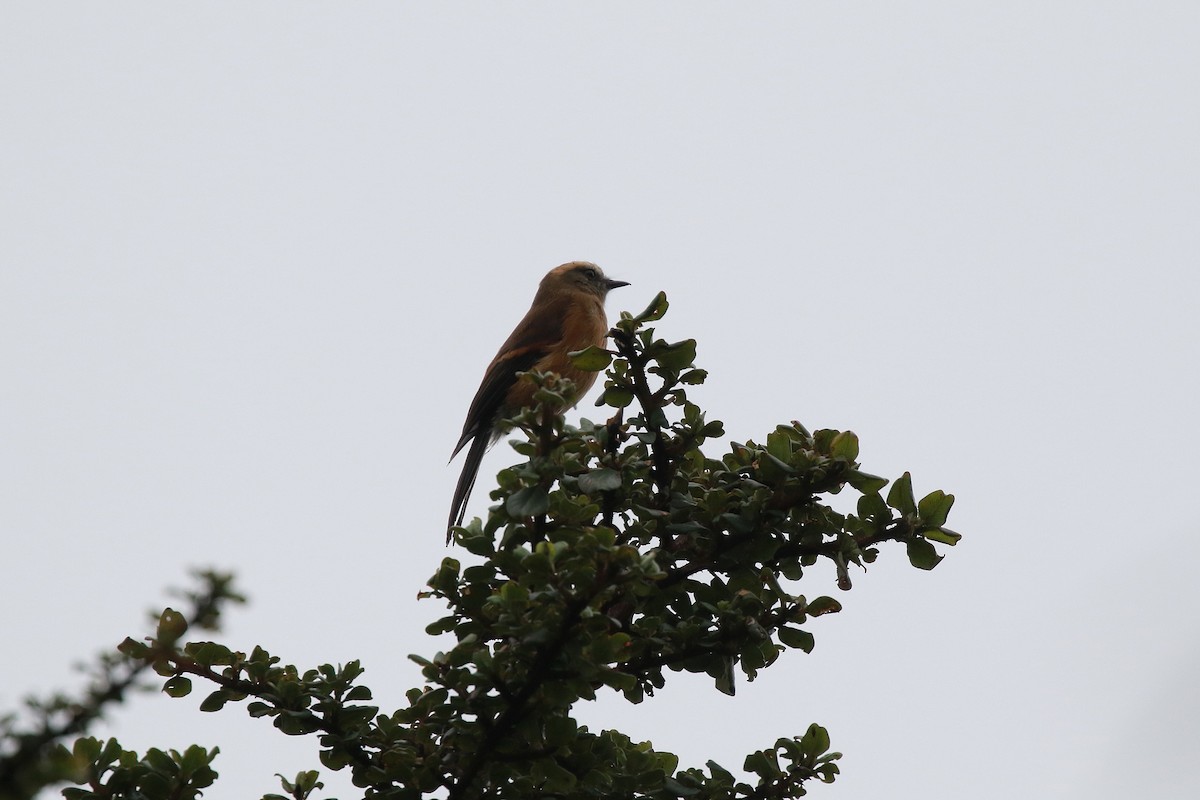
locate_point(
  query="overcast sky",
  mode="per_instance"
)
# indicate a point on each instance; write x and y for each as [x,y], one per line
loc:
[255,256]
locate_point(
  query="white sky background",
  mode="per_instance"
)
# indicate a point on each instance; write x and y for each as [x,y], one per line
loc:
[255,257]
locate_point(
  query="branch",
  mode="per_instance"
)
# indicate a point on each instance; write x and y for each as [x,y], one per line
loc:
[118,674]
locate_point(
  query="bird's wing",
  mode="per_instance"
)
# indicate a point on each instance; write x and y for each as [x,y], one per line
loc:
[498,379]
[530,341]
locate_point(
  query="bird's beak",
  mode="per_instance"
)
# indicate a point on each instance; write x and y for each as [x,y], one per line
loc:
[610,284]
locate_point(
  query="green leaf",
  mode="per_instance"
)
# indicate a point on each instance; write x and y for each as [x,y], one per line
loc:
[111,752]
[677,789]
[196,757]
[259,709]
[86,749]
[599,480]
[359,693]
[943,535]
[531,501]
[591,358]
[922,554]
[901,495]
[823,440]
[845,446]
[872,508]
[179,686]
[764,763]
[513,592]
[865,482]
[297,723]
[134,649]
[159,761]
[772,469]
[305,784]
[791,569]
[616,396]
[678,356]
[556,779]
[171,625]
[779,444]
[822,605]
[154,786]
[934,508]
[669,762]
[560,731]
[794,637]
[209,653]
[722,671]
[655,311]
[815,740]
[215,701]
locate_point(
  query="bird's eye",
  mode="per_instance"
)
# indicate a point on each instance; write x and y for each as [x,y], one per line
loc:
[590,273]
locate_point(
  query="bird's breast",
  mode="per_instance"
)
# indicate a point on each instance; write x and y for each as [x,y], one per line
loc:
[584,325]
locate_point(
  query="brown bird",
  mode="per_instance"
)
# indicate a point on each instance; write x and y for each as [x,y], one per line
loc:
[567,315]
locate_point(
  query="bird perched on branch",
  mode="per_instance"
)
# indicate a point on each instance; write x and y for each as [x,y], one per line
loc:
[567,315]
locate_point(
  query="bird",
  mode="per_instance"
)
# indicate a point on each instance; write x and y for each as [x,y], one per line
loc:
[567,314]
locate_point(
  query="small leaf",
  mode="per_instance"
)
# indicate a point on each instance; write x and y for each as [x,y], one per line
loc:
[159,761]
[845,445]
[943,535]
[111,752]
[901,495]
[676,789]
[259,709]
[179,686]
[359,693]
[723,668]
[86,749]
[865,482]
[678,356]
[513,592]
[871,507]
[600,480]
[934,508]
[591,358]
[656,309]
[772,470]
[555,779]
[297,723]
[616,396]
[822,605]
[560,730]
[215,701]
[823,440]
[922,554]
[815,741]
[134,649]
[171,625]
[794,637]
[779,444]
[528,502]
[194,758]
[209,653]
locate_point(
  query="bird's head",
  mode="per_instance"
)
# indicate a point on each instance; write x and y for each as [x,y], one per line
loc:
[581,276]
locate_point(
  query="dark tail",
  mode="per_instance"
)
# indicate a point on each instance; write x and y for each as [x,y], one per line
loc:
[466,481]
